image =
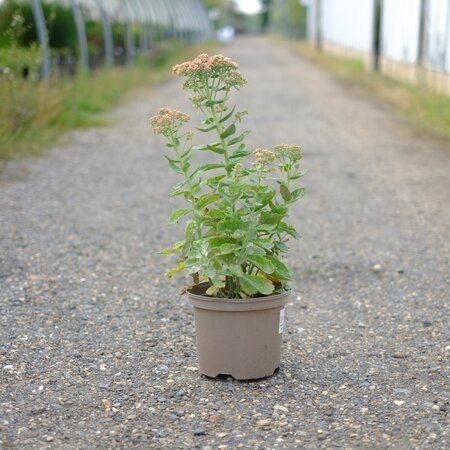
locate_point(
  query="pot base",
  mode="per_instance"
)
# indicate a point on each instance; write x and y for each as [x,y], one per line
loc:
[236,377]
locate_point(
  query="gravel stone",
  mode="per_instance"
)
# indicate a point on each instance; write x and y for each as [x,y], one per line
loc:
[88,316]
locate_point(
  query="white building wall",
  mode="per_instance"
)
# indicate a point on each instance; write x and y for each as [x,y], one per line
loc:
[437,38]
[349,23]
[400,30]
[348,29]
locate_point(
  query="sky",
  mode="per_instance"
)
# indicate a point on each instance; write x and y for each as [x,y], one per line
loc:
[249,6]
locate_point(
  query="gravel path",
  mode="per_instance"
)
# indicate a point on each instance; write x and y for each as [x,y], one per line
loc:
[98,351]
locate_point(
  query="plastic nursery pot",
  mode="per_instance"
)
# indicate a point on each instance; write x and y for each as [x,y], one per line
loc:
[238,337]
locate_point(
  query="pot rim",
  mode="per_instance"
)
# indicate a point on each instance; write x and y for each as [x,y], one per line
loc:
[235,304]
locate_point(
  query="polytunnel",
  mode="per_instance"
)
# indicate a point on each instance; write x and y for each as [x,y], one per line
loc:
[144,24]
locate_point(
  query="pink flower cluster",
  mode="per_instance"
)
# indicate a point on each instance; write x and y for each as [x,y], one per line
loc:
[168,121]
[205,64]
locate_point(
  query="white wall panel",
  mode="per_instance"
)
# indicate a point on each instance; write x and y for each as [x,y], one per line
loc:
[349,23]
[437,39]
[400,29]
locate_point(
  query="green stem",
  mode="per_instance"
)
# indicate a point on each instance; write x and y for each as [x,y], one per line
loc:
[175,142]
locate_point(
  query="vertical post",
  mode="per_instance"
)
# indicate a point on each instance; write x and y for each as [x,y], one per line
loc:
[130,45]
[81,33]
[140,15]
[107,35]
[376,35]
[447,38]
[148,20]
[173,18]
[422,32]
[39,20]
[198,32]
[159,7]
[319,24]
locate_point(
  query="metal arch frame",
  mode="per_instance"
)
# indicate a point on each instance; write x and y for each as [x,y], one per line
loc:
[200,31]
[176,29]
[186,19]
[205,29]
[154,6]
[151,22]
[184,29]
[206,23]
[143,37]
[42,32]
[191,21]
[81,33]
[130,45]
[107,34]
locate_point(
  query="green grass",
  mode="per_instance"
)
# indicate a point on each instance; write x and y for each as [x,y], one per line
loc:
[423,107]
[34,114]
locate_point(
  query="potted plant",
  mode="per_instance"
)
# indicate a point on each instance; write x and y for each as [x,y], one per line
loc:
[236,230]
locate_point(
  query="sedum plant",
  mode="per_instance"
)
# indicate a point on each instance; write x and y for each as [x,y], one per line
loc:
[236,229]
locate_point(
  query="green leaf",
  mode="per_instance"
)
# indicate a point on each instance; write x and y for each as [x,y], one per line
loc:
[289,229]
[236,270]
[264,243]
[238,139]
[205,130]
[217,150]
[255,250]
[284,191]
[218,282]
[173,163]
[298,175]
[175,248]
[239,154]
[230,225]
[218,241]
[205,167]
[227,249]
[281,272]
[214,147]
[281,210]
[210,103]
[189,235]
[186,154]
[228,131]
[214,181]
[297,194]
[270,218]
[261,262]
[266,227]
[206,199]
[252,284]
[210,272]
[281,246]
[174,270]
[178,214]
[215,214]
[179,192]
[225,118]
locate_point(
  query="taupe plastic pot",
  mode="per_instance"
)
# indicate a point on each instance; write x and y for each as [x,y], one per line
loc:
[238,337]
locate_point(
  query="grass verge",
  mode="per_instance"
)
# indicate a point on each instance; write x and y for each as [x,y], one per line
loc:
[34,114]
[423,107]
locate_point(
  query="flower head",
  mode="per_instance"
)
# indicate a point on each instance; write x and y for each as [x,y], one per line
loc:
[263,157]
[168,121]
[205,67]
[288,151]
